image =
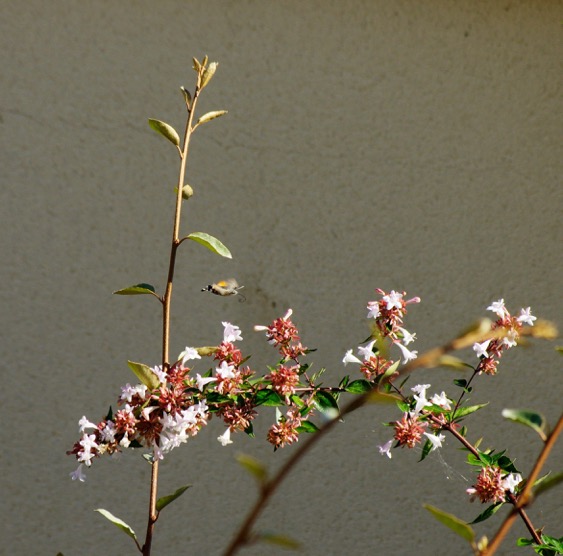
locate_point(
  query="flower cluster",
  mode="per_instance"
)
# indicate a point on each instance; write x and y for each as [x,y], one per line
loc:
[419,415]
[171,405]
[492,485]
[284,380]
[283,334]
[490,351]
[388,313]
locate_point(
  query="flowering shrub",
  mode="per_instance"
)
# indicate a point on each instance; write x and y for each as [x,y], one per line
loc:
[174,401]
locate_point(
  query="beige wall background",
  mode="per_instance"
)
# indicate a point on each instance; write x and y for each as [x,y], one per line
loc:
[402,145]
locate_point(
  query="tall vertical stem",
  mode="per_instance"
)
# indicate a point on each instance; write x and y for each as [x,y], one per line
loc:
[166,304]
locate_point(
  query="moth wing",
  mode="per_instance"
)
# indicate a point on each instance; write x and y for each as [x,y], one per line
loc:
[229,283]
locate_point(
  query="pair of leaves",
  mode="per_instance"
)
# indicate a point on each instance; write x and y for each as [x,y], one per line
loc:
[160,504]
[166,130]
[208,241]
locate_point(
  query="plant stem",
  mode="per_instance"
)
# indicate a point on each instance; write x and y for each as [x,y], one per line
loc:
[523,499]
[166,303]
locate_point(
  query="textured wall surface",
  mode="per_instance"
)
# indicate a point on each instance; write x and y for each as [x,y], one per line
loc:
[402,145]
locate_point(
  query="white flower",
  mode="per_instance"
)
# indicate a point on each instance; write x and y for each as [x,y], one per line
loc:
[526,317]
[108,432]
[366,351]
[84,424]
[128,391]
[407,355]
[394,300]
[481,348]
[231,332]
[407,336]
[510,339]
[441,400]
[435,440]
[512,481]
[78,474]
[201,382]
[420,389]
[350,358]
[421,401]
[225,371]
[187,354]
[385,449]
[225,438]
[373,309]
[161,375]
[498,308]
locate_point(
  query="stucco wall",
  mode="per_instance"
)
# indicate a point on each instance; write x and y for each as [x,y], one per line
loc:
[403,145]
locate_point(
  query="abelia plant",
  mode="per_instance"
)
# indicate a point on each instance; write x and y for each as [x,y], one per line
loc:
[174,400]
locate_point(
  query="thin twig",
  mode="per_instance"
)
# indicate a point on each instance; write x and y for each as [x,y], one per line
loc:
[524,497]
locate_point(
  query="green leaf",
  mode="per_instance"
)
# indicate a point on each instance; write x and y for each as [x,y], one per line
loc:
[279,540]
[268,398]
[463,411]
[535,421]
[208,74]
[506,464]
[453,362]
[212,243]
[187,97]
[425,450]
[254,466]
[491,510]
[166,130]
[454,523]
[325,401]
[390,371]
[165,500]
[137,289]
[358,386]
[210,116]
[118,523]
[144,374]
[307,426]
[547,482]
[376,396]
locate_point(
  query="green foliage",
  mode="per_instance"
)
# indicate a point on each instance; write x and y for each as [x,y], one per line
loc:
[118,523]
[211,116]
[254,466]
[212,243]
[458,526]
[144,374]
[165,500]
[551,546]
[358,386]
[165,130]
[535,421]
[268,398]
[490,511]
[137,289]
[282,541]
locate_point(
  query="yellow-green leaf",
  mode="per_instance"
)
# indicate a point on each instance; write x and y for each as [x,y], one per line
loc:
[211,116]
[279,540]
[144,374]
[255,467]
[165,500]
[534,420]
[166,130]
[208,74]
[212,243]
[137,289]
[117,522]
[457,525]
